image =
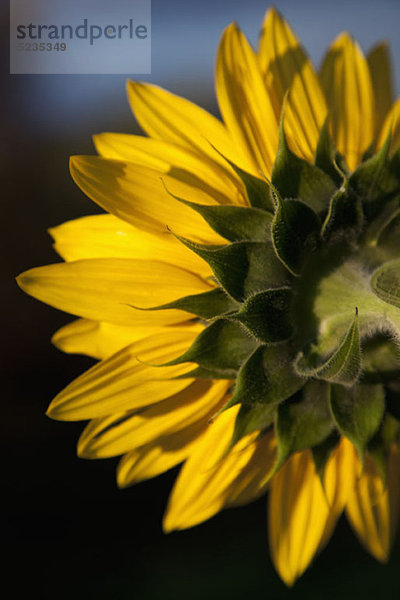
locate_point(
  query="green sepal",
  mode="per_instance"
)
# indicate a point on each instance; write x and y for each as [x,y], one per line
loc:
[379,446]
[267,377]
[325,155]
[235,223]
[242,268]
[296,178]
[257,189]
[206,305]
[385,282]
[384,230]
[374,180]
[358,412]
[322,452]
[202,373]
[257,417]
[267,315]
[304,421]
[222,347]
[294,233]
[381,359]
[343,366]
[345,218]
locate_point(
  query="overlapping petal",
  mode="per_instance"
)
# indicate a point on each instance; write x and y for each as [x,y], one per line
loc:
[286,66]
[166,116]
[392,125]
[142,196]
[372,508]
[106,236]
[126,380]
[153,459]
[381,79]
[122,432]
[107,289]
[298,515]
[163,156]
[244,102]
[211,479]
[346,82]
[100,339]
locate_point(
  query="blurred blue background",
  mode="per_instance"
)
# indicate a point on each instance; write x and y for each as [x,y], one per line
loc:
[68,531]
[185,36]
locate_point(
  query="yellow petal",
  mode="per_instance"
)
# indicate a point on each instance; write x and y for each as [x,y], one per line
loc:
[209,481]
[105,236]
[392,124]
[286,66]
[338,484]
[100,339]
[151,460]
[244,103]
[381,76]
[105,289]
[372,509]
[122,432]
[346,81]
[166,157]
[298,513]
[139,196]
[126,381]
[168,117]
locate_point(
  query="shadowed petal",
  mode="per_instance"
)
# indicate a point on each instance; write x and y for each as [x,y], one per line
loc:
[106,236]
[381,77]
[101,339]
[244,103]
[139,196]
[286,66]
[168,158]
[346,81]
[126,381]
[210,481]
[121,433]
[166,116]
[298,515]
[372,509]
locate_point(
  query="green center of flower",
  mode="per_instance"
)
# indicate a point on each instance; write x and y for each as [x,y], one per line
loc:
[305,317]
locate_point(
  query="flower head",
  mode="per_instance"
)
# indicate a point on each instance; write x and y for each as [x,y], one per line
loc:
[242,294]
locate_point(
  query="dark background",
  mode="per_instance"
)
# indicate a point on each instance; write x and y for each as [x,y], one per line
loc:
[69,533]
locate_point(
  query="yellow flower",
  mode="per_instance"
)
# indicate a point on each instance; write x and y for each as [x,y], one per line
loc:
[164,390]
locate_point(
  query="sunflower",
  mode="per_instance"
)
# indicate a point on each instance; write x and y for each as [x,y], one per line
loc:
[242,294]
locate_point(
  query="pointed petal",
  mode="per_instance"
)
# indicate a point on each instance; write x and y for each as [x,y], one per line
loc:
[100,339]
[139,196]
[381,77]
[338,484]
[346,81]
[105,289]
[166,157]
[210,481]
[286,66]
[372,509]
[392,123]
[105,236]
[120,433]
[244,103]
[152,460]
[298,513]
[166,116]
[126,381]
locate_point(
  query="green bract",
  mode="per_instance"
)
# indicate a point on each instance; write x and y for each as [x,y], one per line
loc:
[305,318]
